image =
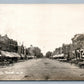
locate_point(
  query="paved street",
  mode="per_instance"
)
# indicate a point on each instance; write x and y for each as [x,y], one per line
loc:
[41,69]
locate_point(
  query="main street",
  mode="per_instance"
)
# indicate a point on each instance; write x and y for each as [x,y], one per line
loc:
[41,69]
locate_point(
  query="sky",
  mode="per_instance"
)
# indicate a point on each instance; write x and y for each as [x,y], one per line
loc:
[47,26]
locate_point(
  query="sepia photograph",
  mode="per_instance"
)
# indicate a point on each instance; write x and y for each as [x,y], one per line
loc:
[42,42]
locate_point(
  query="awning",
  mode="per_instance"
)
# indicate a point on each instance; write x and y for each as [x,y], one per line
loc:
[59,55]
[30,56]
[22,55]
[9,54]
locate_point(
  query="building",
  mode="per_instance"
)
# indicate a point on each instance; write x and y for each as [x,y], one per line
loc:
[78,45]
[78,41]
[68,51]
[58,51]
[31,50]
[8,44]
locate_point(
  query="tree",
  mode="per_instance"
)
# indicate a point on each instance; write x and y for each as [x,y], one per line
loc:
[48,54]
[37,52]
[41,55]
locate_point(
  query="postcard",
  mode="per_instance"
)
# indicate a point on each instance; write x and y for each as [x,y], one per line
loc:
[41,42]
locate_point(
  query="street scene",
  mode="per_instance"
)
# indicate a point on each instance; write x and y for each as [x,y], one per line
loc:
[20,63]
[42,42]
[42,69]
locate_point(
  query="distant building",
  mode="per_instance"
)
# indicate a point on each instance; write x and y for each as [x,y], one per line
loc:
[68,50]
[21,49]
[31,50]
[58,51]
